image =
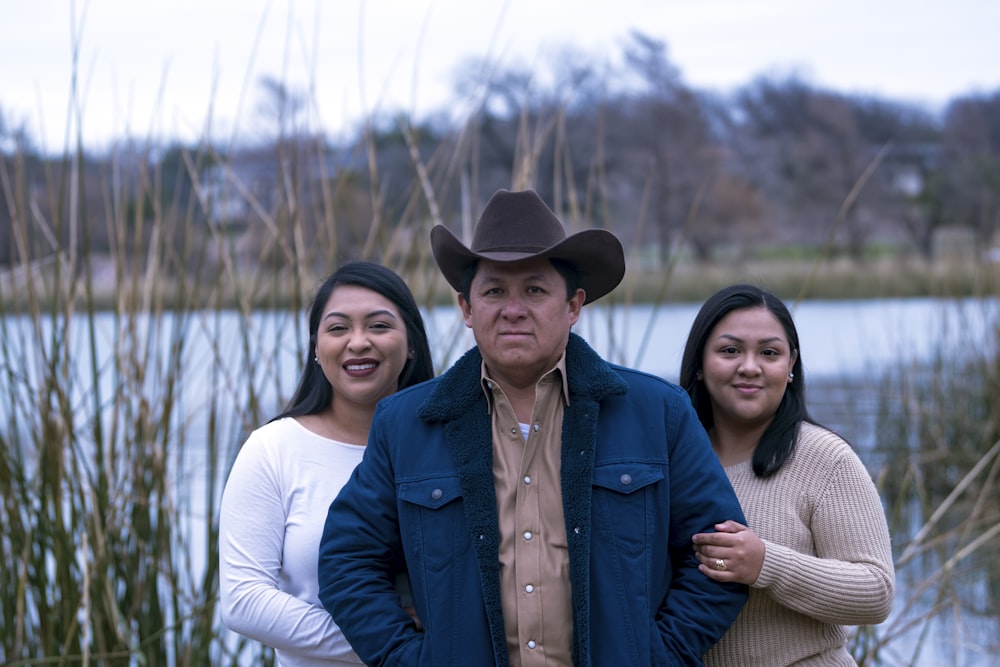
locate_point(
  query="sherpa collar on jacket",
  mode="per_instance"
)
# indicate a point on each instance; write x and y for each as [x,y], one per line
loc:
[459,389]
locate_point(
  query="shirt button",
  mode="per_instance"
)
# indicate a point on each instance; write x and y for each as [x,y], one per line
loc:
[529,588]
[536,427]
[527,479]
[626,479]
[436,494]
[528,535]
[513,431]
[531,643]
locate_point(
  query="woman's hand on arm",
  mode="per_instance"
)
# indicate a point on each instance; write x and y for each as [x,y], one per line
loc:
[733,554]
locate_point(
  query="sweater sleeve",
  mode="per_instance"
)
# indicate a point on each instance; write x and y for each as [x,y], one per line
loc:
[251,544]
[850,579]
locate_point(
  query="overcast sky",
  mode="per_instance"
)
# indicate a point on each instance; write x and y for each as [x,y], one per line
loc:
[168,69]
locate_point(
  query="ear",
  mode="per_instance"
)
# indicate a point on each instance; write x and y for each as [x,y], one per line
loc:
[466,310]
[794,358]
[575,305]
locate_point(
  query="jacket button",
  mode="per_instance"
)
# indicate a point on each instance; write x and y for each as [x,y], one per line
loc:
[626,479]
[436,494]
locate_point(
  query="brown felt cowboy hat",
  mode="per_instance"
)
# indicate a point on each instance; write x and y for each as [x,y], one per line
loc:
[518,225]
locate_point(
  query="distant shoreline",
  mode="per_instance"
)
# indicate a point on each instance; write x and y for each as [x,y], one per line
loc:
[22,290]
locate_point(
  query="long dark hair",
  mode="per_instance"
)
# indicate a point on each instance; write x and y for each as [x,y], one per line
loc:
[778,440]
[314,392]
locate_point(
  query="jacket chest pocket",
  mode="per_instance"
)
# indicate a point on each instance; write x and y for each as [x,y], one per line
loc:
[629,501]
[432,519]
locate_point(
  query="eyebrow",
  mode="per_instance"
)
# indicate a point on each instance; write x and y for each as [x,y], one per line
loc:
[760,341]
[375,313]
[499,277]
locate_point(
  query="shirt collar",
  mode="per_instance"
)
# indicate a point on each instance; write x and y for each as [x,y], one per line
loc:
[556,373]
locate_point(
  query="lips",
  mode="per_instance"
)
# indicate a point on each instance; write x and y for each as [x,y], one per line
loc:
[360,367]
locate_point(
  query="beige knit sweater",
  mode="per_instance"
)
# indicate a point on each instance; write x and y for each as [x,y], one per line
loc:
[827,564]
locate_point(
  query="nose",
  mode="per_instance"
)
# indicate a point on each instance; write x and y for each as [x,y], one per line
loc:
[359,341]
[513,308]
[749,365]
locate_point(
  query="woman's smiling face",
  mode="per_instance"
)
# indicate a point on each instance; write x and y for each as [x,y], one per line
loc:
[746,366]
[361,345]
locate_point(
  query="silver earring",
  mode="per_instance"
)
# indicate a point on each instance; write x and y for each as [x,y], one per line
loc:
[791,376]
[316,359]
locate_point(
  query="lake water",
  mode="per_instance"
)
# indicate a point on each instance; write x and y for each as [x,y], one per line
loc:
[841,340]
[846,348]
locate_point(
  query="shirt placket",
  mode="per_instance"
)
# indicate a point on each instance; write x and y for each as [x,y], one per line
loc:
[528,554]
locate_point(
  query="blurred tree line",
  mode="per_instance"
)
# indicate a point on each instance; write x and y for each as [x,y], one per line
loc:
[777,166]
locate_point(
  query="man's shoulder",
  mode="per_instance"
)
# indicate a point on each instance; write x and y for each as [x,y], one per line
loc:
[643,381]
[415,393]
[441,398]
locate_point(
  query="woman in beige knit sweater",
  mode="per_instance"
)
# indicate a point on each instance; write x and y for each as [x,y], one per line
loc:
[816,551]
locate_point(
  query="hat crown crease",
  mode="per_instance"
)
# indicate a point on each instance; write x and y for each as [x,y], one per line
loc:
[512,248]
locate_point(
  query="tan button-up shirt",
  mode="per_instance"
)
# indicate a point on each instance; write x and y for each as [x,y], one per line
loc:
[535,588]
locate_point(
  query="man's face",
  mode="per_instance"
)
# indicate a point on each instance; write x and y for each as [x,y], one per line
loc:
[520,317]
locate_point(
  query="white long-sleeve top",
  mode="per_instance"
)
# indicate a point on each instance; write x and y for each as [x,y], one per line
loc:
[271,520]
[827,560]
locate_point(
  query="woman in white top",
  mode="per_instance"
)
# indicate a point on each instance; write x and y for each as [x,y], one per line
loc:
[816,551]
[367,340]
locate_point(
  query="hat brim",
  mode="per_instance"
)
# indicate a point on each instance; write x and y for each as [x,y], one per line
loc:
[597,255]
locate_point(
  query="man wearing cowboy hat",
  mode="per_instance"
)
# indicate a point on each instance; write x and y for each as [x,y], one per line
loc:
[541,499]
